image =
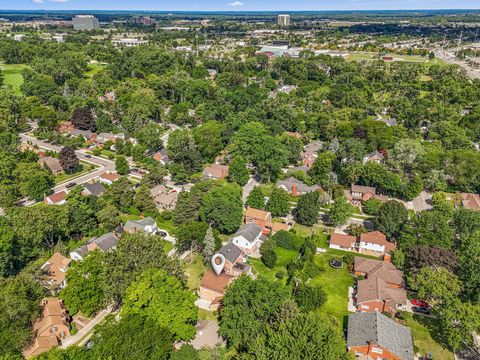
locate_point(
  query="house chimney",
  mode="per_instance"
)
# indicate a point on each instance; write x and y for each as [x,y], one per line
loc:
[387,257]
[294,190]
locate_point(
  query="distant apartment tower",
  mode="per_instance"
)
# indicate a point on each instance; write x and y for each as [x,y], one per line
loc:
[85,22]
[284,20]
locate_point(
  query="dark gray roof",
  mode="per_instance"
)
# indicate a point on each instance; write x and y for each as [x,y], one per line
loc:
[81,250]
[85,133]
[364,328]
[249,231]
[95,189]
[231,252]
[301,186]
[107,241]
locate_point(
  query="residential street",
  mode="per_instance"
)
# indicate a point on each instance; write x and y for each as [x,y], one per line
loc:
[103,164]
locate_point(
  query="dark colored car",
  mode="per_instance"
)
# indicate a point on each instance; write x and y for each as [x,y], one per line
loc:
[70,185]
[88,156]
[420,310]
[161,233]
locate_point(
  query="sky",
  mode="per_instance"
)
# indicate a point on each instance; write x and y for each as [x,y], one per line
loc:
[236,5]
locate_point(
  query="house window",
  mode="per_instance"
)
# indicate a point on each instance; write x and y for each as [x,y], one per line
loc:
[377,350]
[366,307]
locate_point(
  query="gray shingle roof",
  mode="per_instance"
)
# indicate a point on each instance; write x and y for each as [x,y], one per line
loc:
[107,241]
[364,328]
[95,189]
[249,231]
[231,252]
[139,224]
[289,183]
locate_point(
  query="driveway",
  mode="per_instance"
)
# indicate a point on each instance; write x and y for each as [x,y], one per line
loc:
[247,189]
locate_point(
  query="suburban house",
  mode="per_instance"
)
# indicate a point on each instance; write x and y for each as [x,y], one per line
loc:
[374,156]
[234,260]
[376,336]
[470,201]
[86,134]
[264,220]
[93,189]
[216,171]
[54,271]
[375,243]
[248,237]
[369,268]
[50,328]
[372,243]
[343,242]
[164,198]
[146,225]
[310,153]
[162,157]
[56,199]
[374,294]
[51,163]
[65,127]
[106,242]
[296,187]
[102,138]
[212,288]
[358,194]
[108,178]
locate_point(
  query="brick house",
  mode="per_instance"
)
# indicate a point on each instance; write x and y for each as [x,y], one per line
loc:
[343,242]
[216,171]
[264,220]
[50,328]
[234,258]
[212,288]
[295,187]
[376,336]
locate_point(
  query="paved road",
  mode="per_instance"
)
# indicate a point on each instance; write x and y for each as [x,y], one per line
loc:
[449,57]
[72,340]
[102,164]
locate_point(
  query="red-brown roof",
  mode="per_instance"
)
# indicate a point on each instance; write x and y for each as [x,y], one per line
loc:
[217,171]
[109,176]
[57,197]
[217,283]
[257,214]
[376,237]
[343,240]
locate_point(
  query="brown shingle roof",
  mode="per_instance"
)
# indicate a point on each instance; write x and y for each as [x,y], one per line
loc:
[376,289]
[343,240]
[109,176]
[376,237]
[57,197]
[216,283]
[56,267]
[363,189]
[470,201]
[379,269]
[216,171]
[257,214]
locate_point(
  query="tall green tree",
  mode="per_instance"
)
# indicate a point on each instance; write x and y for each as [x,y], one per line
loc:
[278,203]
[256,199]
[308,208]
[390,218]
[340,212]
[162,298]
[121,165]
[238,171]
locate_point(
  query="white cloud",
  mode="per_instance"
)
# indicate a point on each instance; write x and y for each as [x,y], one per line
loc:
[58,1]
[38,1]
[236,3]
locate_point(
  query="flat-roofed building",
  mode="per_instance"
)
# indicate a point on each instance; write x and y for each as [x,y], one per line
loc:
[85,22]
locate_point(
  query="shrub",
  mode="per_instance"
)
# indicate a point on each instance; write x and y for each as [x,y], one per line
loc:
[310,297]
[288,240]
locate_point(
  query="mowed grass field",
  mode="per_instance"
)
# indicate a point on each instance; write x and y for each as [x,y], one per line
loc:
[12,76]
[359,56]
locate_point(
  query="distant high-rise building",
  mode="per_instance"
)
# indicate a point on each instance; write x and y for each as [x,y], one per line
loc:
[85,22]
[284,20]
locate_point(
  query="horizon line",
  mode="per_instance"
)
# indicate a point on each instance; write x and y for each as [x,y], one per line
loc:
[249,11]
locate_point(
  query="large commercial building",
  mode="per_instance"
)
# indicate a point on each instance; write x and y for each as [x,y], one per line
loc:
[85,22]
[284,20]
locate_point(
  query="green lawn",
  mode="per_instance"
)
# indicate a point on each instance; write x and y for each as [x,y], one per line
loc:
[369,56]
[85,169]
[93,69]
[424,332]
[166,225]
[336,283]
[194,270]
[12,76]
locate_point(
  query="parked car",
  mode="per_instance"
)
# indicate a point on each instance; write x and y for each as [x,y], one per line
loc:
[420,303]
[161,233]
[70,185]
[88,156]
[421,310]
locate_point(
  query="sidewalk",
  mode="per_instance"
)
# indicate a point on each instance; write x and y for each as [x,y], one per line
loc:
[86,331]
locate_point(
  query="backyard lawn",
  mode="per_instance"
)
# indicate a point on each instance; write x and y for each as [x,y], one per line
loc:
[423,342]
[94,69]
[12,76]
[194,271]
[335,282]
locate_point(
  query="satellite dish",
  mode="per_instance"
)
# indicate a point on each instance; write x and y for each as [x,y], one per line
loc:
[218,263]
